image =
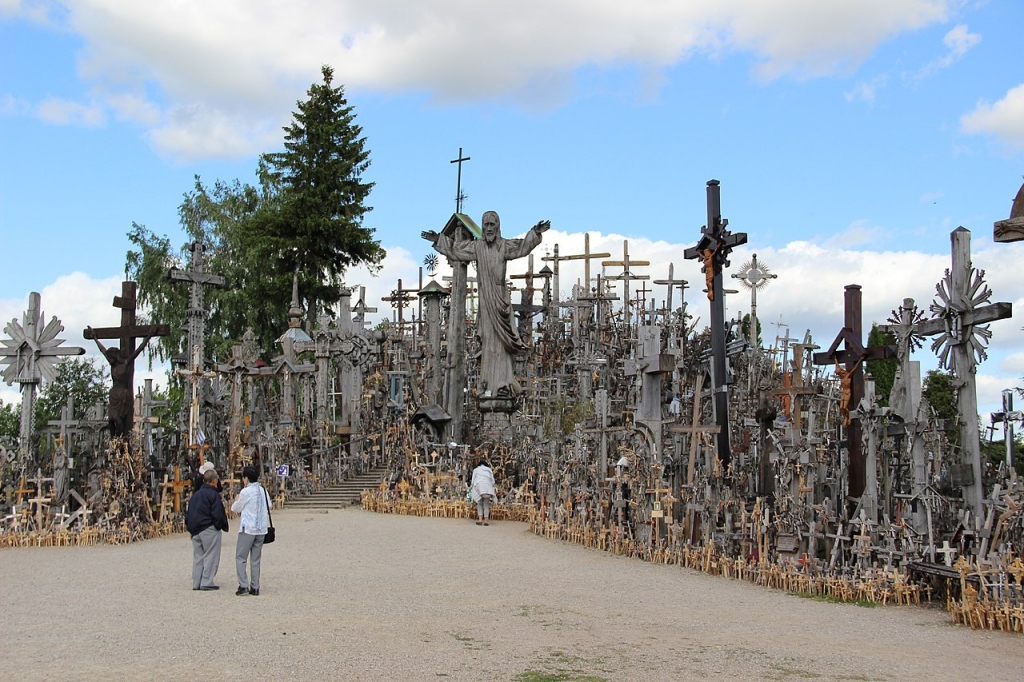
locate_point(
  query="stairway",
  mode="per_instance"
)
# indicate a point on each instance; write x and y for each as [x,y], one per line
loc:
[340,495]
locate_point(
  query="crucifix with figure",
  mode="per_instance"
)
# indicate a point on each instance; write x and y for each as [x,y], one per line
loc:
[849,366]
[122,358]
[713,249]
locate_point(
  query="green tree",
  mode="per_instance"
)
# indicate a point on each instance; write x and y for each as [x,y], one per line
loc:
[10,423]
[84,379]
[940,393]
[304,218]
[882,371]
[318,229]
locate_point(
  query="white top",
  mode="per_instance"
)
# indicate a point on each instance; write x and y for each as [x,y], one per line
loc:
[483,483]
[251,506]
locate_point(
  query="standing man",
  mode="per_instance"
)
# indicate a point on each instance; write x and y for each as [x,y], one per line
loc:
[499,339]
[205,519]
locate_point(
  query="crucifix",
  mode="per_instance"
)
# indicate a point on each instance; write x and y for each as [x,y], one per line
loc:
[713,249]
[459,196]
[849,364]
[122,358]
[68,425]
[31,354]
[525,309]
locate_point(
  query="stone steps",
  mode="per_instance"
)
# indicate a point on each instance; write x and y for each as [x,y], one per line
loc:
[341,495]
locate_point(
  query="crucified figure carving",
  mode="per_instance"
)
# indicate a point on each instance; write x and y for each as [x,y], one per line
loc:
[122,365]
[846,383]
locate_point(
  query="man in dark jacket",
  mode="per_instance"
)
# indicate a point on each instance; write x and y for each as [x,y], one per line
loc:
[205,519]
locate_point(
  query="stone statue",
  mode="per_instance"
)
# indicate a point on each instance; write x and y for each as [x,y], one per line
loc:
[122,369]
[60,476]
[498,337]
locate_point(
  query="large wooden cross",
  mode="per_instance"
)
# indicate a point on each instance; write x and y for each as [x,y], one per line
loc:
[627,264]
[853,355]
[586,257]
[197,276]
[713,249]
[399,299]
[126,335]
[960,315]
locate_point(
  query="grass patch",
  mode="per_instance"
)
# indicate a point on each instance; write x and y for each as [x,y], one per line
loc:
[863,603]
[538,676]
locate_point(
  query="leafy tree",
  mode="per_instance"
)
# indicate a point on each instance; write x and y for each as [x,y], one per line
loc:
[318,231]
[304,218]
[883,371]
[940,393]
[10,422]
[84,379]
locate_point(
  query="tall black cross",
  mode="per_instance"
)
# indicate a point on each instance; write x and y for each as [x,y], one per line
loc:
[853,356]
[126,335]
[458,185]
[713,250]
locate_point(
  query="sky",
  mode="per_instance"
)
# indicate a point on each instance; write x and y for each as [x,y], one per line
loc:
[849,138]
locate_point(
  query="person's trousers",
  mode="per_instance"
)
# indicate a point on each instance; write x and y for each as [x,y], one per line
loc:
[483,507]
[205,557]
[249,547]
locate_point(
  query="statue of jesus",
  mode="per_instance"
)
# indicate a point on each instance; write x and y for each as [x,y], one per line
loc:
[499,339]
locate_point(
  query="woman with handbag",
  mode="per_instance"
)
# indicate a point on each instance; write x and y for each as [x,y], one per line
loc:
[252,504]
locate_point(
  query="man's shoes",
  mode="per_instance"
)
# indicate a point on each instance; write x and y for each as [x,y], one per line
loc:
[241,590]
[253,591]
[207,588]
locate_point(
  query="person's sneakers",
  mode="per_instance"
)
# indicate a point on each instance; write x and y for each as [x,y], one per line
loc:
[241,590]
[479,523]
[207,588]
[486,524]
[253,591]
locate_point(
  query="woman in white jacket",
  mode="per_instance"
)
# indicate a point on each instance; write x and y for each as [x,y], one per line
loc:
[482,492]
[253,506]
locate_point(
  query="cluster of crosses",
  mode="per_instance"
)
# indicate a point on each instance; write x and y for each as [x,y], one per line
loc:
[628,421]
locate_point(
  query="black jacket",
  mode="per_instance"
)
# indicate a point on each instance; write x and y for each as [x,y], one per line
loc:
[205,509]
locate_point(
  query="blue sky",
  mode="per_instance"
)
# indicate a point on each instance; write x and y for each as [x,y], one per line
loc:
[850,138]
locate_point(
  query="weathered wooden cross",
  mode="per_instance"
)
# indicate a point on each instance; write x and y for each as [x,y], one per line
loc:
[122,359]
[853,356]
[713,249]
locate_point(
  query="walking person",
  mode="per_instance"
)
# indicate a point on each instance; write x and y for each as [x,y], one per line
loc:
[482,492]
[252,504]
[205,519]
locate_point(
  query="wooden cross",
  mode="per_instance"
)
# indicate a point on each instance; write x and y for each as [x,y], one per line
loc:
[360,310]
[853,355]
[399,299]
[793,387]
[177,487]
[672,285]
[713,249]
[947,553]
[627,273]
[458,183]
[126,334]
[197,276]
[586,257]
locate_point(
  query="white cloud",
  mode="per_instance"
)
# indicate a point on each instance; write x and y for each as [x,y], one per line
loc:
[808,294]
[959,40]
[65,112]
[246,61]
[866,90]
[1003,119]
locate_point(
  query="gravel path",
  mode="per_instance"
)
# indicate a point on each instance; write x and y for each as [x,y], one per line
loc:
[352,595]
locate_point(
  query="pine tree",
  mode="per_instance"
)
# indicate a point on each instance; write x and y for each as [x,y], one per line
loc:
[318,230]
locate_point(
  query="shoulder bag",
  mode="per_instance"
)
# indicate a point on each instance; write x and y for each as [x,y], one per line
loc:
[271,534]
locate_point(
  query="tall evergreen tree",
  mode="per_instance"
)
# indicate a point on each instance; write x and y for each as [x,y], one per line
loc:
[305,218]
[318,231]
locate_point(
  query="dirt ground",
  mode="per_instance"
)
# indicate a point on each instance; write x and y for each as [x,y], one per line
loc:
[351,595]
